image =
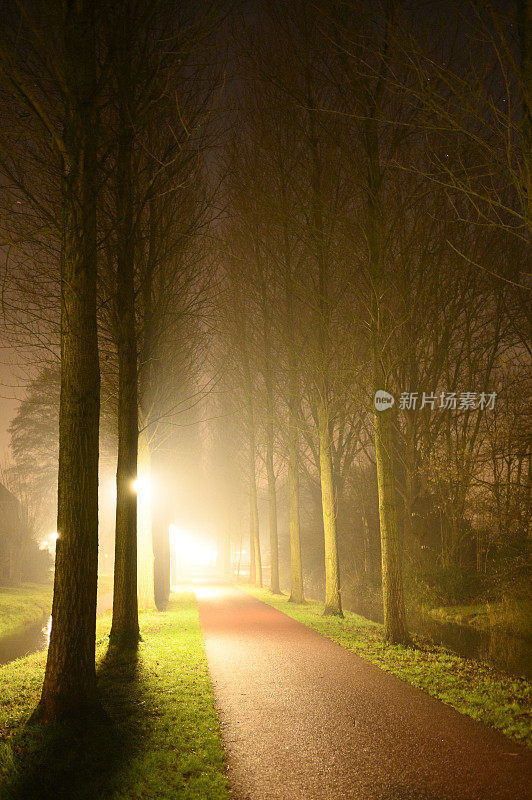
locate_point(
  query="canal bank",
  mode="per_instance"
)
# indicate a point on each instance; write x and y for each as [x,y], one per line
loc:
[29,610]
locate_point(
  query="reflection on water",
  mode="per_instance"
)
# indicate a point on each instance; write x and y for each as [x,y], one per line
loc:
[34,637]
[510,653]
[47,629]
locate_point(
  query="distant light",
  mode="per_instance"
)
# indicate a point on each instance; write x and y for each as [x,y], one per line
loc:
[191,553]
[207,592]
[49,543]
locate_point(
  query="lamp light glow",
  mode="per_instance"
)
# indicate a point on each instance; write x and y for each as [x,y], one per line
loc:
[189,553]
[142,486]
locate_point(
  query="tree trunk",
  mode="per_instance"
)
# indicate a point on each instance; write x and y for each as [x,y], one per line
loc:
[254,517]
[296,569]
[396,631]
[69,687]
[270,439]
[145,573]
[333,602]
[125,626]
[252,565]
[395,628]
[161,555]
[524,25]
[272,507]
[255,562]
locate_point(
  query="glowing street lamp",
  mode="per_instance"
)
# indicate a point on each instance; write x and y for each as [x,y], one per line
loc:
[142,486]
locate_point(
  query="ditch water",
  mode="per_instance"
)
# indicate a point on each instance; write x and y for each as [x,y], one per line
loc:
[35,636]
[501,649]
[510,653]
[29,640]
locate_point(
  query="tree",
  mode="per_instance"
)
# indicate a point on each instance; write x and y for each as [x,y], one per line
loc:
[155,150]
[125,625]
[70,678]
[69,686]
[361,78]
[292,85]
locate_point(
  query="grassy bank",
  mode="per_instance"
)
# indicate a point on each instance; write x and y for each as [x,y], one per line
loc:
[481,616]
[161,739]
[487,616]
[469,686]
[24,605]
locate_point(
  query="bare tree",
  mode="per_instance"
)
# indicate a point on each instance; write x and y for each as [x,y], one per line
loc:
[70,65]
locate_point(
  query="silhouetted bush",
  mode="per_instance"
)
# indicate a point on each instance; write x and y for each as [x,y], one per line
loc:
[440,586]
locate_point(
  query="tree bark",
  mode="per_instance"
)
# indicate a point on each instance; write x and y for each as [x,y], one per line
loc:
[255,556]
[297,594]
[524,24]
[252,565]
[396,631]
[125,625]
[255,561]
[145,569]
[395,627]
[161,550]
[69,687]
[272,505]
[333,601]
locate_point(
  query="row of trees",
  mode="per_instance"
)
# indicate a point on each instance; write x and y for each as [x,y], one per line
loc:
[376,240]
[105,109]
[372,237]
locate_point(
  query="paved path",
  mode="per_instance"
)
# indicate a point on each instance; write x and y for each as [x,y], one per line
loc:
[304,719]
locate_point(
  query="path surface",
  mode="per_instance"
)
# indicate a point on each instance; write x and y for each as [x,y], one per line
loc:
[304,719]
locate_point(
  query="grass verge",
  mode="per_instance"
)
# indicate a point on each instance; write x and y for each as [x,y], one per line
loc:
[161,739]
[470,686]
